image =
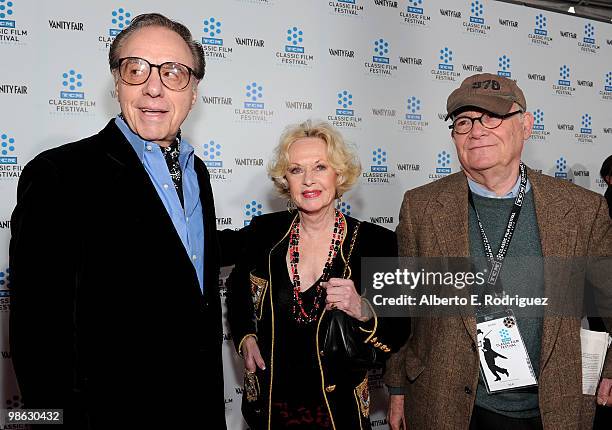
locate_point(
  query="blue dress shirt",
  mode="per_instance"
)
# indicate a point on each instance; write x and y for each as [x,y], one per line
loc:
[188,221]
[481,191]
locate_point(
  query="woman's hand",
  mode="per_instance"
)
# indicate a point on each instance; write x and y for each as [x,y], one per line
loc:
[341,294]
[252,356]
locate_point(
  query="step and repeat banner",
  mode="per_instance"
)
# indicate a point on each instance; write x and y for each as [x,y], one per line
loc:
[378,70]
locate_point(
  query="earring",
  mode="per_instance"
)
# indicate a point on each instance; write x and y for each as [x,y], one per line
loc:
[338,202]
[291,205]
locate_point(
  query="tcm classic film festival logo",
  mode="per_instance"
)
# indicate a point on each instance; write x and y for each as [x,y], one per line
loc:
[589,44]
[561,169]
[212,40]
[443,168]
[381,64]
[213,159]
[444,70]
[345,114]
[606,92]
[476,23]
[503,63]
[293,52]
[251,209]
[254,109]
[72,99]
[539,36]
[10,32]
[413,121]
[5,293]
[379,168]
[120,18]
[564,87]
[586,130]
[415,15]
[9,166]
[539,131]
[352,8]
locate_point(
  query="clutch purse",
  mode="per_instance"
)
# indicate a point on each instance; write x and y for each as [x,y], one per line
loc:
[343,342]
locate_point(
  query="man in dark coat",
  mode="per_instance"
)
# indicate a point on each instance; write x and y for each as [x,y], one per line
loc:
[114,259]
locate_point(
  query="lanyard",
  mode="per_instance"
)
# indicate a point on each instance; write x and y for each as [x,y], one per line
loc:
[496,261]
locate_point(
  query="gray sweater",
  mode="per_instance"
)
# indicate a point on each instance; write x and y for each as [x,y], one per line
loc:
[521,276]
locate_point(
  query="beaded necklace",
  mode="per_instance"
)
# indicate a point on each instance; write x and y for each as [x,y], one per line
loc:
[299,313]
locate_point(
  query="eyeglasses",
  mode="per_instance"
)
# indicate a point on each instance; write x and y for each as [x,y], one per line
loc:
[464,124]
[136,71]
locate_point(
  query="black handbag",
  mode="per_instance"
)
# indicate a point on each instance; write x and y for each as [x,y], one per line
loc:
[343,343]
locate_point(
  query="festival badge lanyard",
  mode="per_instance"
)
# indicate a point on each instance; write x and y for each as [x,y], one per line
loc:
[504,361]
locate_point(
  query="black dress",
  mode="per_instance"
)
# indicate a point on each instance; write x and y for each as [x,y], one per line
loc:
[297,401]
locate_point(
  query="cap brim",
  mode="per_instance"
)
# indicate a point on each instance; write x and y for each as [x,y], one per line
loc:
[494,104]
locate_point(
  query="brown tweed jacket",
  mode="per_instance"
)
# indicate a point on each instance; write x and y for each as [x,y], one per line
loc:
[438,366]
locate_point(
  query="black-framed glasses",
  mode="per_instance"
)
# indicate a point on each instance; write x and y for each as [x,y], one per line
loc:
[136,71]
[464,124]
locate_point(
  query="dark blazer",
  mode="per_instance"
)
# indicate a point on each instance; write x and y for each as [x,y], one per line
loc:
[108,321]
[252,294]
[439,364]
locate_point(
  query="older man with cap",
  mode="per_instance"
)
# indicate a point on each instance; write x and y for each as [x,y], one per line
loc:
[435,380]
[116,315]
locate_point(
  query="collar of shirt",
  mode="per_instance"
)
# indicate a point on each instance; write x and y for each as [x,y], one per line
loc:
[140,145]
[188,221]
[481,191]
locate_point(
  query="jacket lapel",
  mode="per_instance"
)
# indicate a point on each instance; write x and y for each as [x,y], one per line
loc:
[558,235]
[450,220]
[211,240]
[142,199]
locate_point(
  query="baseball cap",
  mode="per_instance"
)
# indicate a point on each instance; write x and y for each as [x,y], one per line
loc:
[486,91]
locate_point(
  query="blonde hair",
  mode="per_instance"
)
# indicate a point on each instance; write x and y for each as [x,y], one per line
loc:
[341,158]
